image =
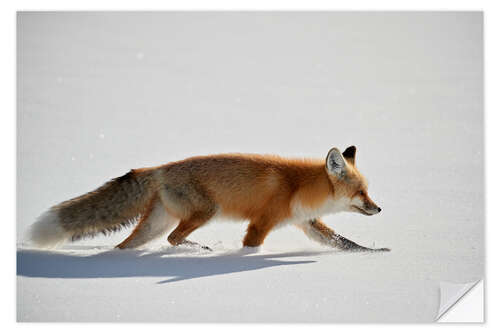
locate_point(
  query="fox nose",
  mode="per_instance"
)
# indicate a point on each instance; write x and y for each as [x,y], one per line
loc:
[379,209]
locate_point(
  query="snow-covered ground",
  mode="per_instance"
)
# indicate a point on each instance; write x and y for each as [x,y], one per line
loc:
[99,94]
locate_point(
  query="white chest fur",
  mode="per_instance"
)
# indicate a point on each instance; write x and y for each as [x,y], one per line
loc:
[301,213]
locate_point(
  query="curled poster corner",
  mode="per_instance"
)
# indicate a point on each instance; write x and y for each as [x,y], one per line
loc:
[451,293]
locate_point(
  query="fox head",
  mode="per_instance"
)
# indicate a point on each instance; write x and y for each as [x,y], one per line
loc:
[349,184]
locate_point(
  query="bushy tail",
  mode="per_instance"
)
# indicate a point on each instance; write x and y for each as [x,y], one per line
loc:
[112,206]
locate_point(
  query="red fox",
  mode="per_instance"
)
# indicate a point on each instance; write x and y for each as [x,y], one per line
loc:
[266,190]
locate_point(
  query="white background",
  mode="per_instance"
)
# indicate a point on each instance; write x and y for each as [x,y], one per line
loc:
[100,93]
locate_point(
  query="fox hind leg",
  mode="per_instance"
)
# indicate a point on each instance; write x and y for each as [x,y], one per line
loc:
[187,226]
[194,207]
[155,222]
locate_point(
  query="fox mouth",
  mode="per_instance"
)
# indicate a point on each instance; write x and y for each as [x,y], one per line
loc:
[360,210]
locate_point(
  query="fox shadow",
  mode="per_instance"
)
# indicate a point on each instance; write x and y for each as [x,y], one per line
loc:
[133,263]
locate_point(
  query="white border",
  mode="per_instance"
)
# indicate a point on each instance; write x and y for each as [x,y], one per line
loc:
[249,5]
[8,70]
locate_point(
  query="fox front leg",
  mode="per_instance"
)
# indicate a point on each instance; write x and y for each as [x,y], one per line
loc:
[318,231]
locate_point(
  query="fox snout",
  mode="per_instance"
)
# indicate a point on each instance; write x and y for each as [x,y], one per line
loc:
[362,203]
[370,207]
[373,210]
[367,210]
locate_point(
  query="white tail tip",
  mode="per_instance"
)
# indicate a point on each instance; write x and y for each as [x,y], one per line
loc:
[47,232]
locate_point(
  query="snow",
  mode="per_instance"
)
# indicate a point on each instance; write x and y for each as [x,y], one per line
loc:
[405,88]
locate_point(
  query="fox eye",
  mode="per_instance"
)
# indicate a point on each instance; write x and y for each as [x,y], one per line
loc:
[361,192]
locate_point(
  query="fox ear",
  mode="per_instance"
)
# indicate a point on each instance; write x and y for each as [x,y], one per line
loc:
[350,154]
[335,163]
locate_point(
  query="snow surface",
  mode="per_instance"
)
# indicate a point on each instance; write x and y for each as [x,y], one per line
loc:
[99,94]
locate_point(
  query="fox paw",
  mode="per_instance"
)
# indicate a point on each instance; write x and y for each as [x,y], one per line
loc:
[195,245]
[383,249]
